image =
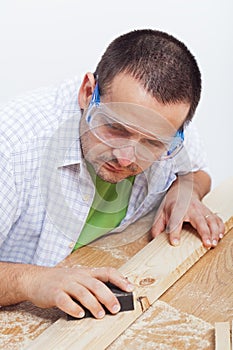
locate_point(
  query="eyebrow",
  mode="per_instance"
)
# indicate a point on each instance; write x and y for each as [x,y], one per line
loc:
[132,131]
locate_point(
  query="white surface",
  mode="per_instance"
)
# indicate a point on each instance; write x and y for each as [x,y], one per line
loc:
[45,41]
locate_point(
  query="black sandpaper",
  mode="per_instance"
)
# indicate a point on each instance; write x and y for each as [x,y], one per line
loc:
[125,299]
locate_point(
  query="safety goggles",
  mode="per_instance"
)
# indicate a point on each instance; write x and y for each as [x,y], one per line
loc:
[111,124]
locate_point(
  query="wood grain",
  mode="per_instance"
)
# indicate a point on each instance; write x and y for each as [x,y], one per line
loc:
[207,290]
[158,261]
[164,327]
[91,333]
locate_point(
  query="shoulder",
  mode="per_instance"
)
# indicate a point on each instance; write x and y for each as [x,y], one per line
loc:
[37,112]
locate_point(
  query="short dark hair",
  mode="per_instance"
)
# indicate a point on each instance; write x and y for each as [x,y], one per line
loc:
[161,63]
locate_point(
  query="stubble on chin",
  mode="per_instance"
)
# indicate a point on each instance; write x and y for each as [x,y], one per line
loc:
[98,155]
[106,174]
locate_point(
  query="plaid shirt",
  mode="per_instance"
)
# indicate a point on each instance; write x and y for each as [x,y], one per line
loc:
[45,189]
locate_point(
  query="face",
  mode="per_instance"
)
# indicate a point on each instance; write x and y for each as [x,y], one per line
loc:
[114,164]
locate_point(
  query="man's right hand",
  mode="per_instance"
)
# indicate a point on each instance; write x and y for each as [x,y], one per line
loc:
[55,286]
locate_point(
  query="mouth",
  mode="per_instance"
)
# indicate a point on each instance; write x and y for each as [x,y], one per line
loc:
[113,167]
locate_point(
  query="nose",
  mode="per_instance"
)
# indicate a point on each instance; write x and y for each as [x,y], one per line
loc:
[125,156]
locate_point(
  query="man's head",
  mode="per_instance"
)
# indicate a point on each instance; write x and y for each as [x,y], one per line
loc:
[159,62]
[152,72]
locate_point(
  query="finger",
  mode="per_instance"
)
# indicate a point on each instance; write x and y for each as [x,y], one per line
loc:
[221,227]
[109,274]
[200,224]
[86,298]
[174,226]
[174,235]
[66,304]
[103,294]
[216,227]
[158,226]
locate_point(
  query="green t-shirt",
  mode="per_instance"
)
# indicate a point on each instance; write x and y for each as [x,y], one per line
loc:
[108,209]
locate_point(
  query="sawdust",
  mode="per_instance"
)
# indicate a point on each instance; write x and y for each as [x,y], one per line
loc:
[219,303]
[29,322]
[116,254]
[198,301]
[163,327]
[160,327]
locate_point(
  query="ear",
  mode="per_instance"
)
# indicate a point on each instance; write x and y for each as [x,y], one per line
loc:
[86,90]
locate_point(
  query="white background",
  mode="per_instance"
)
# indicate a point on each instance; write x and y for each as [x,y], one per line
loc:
[45,41]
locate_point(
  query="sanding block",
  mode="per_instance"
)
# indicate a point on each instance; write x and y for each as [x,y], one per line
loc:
[125,299]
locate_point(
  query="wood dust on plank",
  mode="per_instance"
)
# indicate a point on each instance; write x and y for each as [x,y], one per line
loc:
[23,322]
[162,327]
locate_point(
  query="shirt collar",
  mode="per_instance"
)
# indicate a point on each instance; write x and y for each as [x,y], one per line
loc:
[69,150]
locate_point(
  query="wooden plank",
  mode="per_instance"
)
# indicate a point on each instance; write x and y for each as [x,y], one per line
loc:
[164,327]
[220,201]
[222,336]
[153,270]
[206,290]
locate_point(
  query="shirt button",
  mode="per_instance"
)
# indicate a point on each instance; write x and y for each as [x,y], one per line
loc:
[71,245]
[86,197]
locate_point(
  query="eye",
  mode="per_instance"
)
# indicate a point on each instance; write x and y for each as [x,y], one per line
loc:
[118,129]
[154,143]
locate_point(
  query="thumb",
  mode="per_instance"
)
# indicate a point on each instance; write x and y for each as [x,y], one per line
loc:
[159,225]
[174,230]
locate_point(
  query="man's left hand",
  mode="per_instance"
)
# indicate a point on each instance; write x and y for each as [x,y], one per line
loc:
[183,204]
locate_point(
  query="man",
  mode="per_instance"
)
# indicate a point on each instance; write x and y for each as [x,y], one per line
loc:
[79,162]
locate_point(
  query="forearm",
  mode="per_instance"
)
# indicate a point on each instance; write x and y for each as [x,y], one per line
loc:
[201,183]
[198,183]
[13,286]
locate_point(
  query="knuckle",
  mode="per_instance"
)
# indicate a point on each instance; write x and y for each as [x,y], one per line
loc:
[215,235]
[110,271]
[92,304]
[60,300]
[222,227]
[214,228]
[202,226]
[81,293]
[55,291]
[205,232]
[96,285]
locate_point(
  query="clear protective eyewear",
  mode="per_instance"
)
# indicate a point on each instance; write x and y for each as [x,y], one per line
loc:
[104,122]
